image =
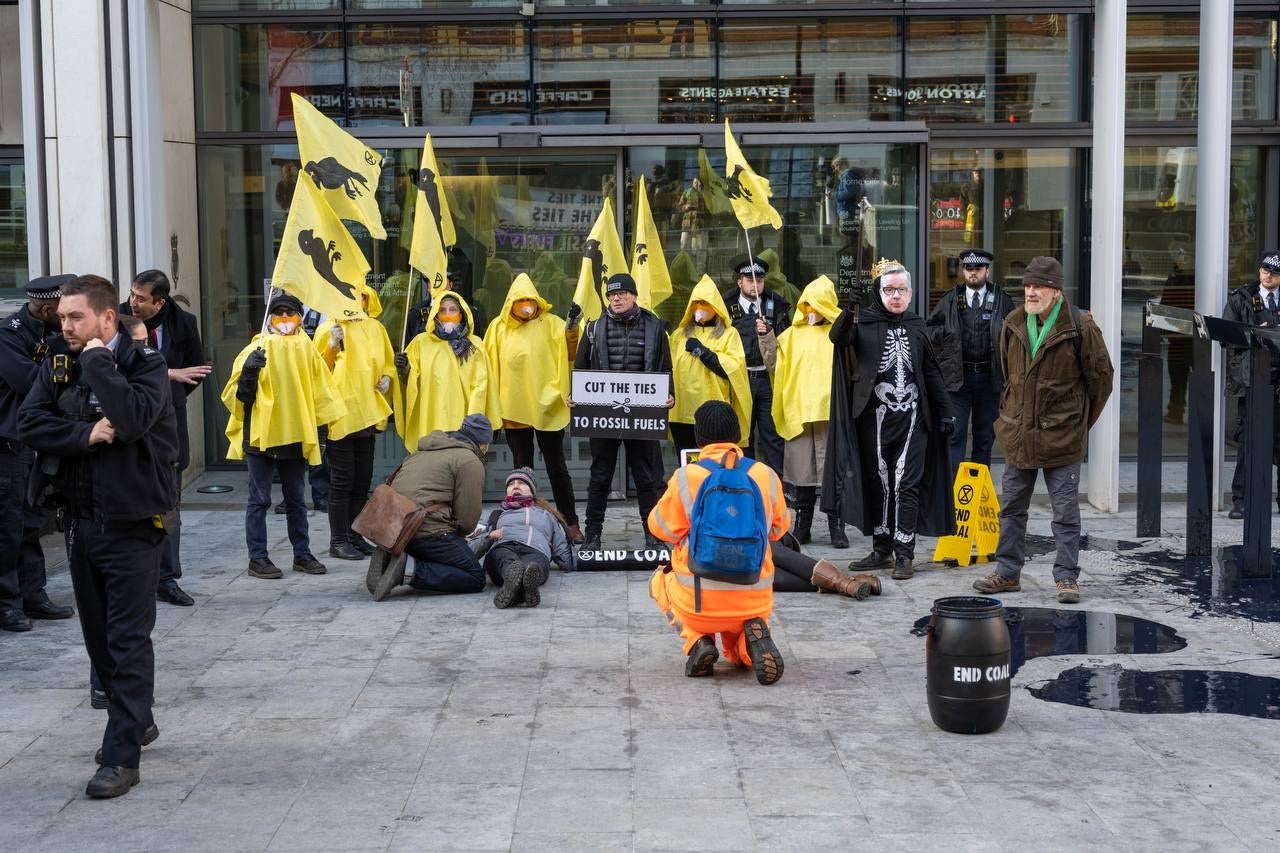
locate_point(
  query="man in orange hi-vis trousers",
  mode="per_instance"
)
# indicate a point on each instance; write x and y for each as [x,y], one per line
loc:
[698,607]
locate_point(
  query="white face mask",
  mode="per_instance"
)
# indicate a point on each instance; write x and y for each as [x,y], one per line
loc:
[447,326]
[284,327]
[813,318]
[702,315]
[528,310]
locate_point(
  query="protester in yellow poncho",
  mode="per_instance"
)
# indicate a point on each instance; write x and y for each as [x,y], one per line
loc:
[529,364]
[363,363]
[279,393]
[445,374]
[707,363]
[802,402]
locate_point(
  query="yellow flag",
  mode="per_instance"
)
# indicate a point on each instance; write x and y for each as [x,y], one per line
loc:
[486,221]
[748,192]
[648,264]
[714,189]
[602,256]
[433,230]
[343,168]
[319,262]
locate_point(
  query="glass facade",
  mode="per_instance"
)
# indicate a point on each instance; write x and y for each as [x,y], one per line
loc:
[804,89]
[13,228]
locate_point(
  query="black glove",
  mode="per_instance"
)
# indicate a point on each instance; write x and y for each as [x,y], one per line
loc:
[712,362]
[256,361]
[575,314]
[402,364]
[694,347]
[947,426]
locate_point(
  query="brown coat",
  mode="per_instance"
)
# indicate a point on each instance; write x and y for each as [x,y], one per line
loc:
[444,470]
[1049,403]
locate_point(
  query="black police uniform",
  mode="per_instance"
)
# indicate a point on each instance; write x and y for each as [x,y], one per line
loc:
[1249,305]
[637,345]
[113,495]
[25,344]
[964,339]
[765,444]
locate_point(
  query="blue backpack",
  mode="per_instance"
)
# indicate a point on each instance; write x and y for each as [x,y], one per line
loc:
[728,528]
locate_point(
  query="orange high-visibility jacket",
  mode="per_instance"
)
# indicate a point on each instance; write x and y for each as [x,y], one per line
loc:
[669,521]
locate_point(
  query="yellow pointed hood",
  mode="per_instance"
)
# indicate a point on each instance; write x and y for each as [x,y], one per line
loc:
[441,388]
[694,382]
[821,294]
[802,378]
[529,362]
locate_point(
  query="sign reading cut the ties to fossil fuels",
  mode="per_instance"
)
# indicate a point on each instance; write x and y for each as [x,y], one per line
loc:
[619,405]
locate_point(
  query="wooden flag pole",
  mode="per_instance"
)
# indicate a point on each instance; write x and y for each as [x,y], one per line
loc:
[752,261]
[408,303]
[266,314]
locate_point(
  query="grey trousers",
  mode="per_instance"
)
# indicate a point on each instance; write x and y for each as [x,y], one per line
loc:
[1064,493]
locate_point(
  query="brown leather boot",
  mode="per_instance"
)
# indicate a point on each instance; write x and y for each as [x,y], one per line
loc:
[870,580]
[827,578]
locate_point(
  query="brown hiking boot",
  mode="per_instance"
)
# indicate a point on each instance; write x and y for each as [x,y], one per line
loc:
[575,534]
[827,578]
[993,583]
[871,581]
[766,660]
[1068,592]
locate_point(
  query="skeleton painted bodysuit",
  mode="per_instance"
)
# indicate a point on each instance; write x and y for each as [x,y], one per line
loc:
[892,439]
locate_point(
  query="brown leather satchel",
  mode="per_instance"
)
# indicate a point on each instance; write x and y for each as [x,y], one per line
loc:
[389,519]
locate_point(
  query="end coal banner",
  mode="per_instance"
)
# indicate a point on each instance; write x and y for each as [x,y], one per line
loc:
[608,404]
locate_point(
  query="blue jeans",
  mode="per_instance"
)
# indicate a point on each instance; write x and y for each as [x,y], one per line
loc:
[977,396]
[292,483]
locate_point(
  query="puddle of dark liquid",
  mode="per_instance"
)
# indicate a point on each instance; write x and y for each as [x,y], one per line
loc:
[1038,546]
[1218,584]
[1036,632]
[1180,691]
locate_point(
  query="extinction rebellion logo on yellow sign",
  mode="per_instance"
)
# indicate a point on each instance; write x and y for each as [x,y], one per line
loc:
[977,519]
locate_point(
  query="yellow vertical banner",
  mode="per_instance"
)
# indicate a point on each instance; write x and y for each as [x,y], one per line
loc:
[433,230]
[343,169]
[602,256]
[648,263]
[748,192]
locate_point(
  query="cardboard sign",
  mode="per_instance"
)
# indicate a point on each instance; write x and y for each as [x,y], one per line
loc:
[977,519]
[609,404]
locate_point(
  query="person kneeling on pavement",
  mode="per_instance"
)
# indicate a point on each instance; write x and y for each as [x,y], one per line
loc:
[446,474]
[519,541]
[697,606]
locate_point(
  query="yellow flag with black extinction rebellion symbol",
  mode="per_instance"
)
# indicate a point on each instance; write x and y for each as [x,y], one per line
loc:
[748,192]
[319,262]
[343,169]
[648,264]
[602,256]
[433,230]
[714,189]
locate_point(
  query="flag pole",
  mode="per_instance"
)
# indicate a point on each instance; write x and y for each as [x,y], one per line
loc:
[266,313]
[752,262]
[408,303]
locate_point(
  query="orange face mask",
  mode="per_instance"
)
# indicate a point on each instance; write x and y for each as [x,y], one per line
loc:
[285,324]
[449,314]
[524,309]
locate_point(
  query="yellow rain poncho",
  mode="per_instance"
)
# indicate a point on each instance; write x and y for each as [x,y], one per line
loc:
[694,382]
[528,362]
[364,358]
[442,389]
[802,380]
[296,395]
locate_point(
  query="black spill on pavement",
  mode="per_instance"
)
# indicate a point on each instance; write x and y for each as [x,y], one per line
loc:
[1180,691]
[1219,584]
[1036,632]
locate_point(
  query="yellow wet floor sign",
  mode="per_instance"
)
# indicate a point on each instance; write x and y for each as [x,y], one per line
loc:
[977,519]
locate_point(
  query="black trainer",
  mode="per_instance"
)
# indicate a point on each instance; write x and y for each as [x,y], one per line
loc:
[702,658]
[766,660]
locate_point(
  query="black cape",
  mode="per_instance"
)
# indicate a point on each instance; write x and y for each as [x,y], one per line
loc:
[858,335]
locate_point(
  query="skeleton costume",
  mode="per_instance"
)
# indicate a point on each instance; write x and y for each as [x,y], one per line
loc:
[887,470]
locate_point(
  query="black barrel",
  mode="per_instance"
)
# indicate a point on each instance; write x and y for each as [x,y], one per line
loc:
[967,665]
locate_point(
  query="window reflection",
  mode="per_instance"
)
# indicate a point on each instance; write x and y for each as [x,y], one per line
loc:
[13,228]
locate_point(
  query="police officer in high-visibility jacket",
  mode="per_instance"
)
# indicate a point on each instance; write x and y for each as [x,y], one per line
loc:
[738,613]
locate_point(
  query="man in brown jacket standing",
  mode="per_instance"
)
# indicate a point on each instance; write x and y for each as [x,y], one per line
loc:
[1059,377]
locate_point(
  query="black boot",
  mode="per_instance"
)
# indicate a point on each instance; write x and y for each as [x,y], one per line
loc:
[512,586]
[804,524]
[835,527]
[874,560]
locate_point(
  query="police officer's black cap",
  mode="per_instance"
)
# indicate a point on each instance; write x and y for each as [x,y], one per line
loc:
[620,283]
[1270,260]
[976,257]
[49,286]
[755,267]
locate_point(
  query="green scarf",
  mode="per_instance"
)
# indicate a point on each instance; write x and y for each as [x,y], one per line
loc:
[1037,335]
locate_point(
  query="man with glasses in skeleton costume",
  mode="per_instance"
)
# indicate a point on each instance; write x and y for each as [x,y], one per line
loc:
[888,471]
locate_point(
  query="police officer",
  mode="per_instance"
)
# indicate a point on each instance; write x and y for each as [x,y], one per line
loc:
[174,333]
[1255,304]
[104,413]
[626,337]
[964,329]
[759,315]
[27,337]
